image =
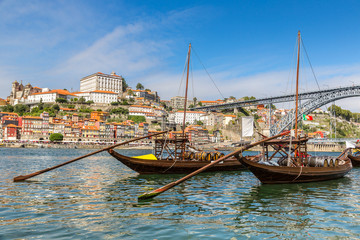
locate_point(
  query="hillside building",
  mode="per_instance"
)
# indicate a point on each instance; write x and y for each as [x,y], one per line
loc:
[103,82]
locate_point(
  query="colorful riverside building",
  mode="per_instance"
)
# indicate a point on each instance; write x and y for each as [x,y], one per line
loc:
[71,127]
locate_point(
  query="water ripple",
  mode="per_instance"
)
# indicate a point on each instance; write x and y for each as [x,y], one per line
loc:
[97,198]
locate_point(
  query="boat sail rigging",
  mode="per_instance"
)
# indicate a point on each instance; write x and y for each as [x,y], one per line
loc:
[172,152]
[277,165]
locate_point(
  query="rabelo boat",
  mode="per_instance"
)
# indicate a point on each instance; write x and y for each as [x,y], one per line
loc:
[173,153]
[287,161]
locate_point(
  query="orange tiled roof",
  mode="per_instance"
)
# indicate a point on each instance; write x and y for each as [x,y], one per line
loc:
[101,91]
[31,117]
[58,91]
[90,128]
[12,125]
[191,112]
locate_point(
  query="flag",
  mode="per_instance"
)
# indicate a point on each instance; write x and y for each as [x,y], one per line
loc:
[247,125]
[307,117]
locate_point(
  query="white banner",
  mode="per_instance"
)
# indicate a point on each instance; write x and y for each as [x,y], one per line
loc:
[247,124]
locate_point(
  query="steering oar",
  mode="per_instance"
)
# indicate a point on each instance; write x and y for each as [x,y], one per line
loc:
[173,184]
[22,178]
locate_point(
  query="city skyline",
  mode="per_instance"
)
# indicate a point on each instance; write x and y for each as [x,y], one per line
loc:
[247,47]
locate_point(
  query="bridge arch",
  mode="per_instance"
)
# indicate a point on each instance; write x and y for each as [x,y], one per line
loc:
[310,105]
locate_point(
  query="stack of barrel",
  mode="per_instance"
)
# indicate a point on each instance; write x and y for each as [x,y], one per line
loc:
[203,156]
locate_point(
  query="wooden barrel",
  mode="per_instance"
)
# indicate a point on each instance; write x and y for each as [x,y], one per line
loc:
[326,163]
[331,163]
[191,155]
[207,156]
[202,156]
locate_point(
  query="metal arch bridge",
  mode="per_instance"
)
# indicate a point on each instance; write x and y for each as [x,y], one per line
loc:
[315,99]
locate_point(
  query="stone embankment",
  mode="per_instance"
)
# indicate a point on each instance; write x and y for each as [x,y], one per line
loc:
[73,146]
[312,147]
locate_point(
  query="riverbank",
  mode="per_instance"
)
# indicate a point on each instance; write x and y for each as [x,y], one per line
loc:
[312,147]
[73,146]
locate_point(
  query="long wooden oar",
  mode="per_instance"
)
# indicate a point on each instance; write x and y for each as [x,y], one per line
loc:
[22,178]
[173,184]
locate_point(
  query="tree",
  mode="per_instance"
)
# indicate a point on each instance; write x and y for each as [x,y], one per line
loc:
[147,90]
[114,103]
[137,119]
[8,108]
[195,100]
[21,109]
[61,100]
[56,137]
[139,86]
[56,107]
[90,102]
[82,100]
[199,123]
[124,85]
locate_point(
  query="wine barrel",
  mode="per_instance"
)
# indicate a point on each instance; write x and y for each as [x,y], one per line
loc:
[326,163]
[207,156]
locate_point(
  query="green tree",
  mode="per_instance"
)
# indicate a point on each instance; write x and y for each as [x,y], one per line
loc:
[139,86]
[147,90]
[61,100]
[114,103]
[82,100]
[124,85]
[55,107]
[56,137]
[137,119]
[8,108]
[21,109]
[194,100]
[199,123]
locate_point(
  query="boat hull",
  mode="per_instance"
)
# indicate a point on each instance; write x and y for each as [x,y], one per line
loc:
[283,174]
[144,166]
[355,160]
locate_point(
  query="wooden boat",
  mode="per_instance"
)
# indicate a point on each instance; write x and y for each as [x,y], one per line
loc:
[173,153]
[163,166]
[170,157]
[287,160]
[281,167]
[355,159]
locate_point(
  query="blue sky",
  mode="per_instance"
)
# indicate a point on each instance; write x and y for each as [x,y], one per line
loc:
[246,46]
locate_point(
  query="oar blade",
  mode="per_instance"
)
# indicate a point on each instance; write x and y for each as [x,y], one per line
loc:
[20,178]
[148,195]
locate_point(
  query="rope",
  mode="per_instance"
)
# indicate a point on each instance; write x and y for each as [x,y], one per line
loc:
[207,72]
[170,166]
[310,63]
[299,173]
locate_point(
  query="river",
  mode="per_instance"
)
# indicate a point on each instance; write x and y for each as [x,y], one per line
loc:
[96,198]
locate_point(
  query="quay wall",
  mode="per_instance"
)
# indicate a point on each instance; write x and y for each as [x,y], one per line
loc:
[312,147]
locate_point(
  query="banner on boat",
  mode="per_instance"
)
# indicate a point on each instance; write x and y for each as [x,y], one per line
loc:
[247,124]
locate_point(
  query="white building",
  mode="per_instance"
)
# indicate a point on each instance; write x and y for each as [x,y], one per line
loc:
[50,96]
[98,96]
[228,119]
[146,111]
[103,82]
[190,117]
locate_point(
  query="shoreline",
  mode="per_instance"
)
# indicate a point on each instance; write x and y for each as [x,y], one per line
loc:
[324,147]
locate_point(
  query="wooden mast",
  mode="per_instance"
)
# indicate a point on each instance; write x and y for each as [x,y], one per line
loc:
[297,87]
[186,90]
[297,100]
